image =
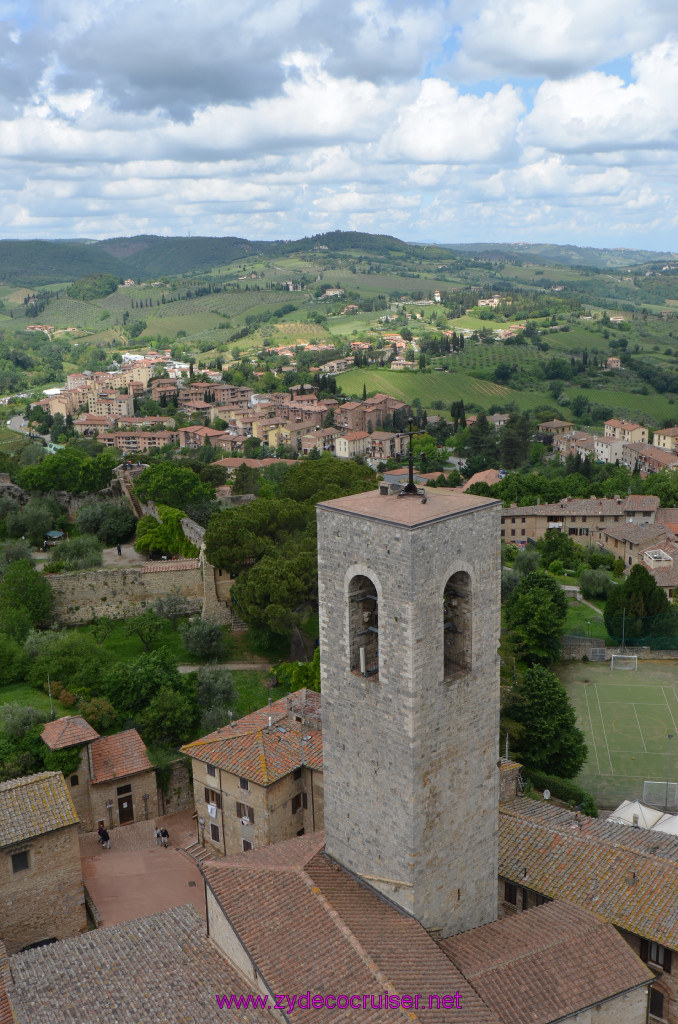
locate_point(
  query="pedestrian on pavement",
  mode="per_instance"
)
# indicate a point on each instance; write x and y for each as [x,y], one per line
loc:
[105,839]
[158,837]
[165,836]
[100,833]
[119,549]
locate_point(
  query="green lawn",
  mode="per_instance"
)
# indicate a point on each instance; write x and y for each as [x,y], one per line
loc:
[582,620]
[626,717]
[22,693]
[251,693]
[123,647]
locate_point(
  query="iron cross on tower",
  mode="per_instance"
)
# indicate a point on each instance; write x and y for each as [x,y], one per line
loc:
[410,487]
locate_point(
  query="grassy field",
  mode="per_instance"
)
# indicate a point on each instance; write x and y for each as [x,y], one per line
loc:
[431,387]
[658,407]
[21,693]
[250,691]
[583,621]
[626,717]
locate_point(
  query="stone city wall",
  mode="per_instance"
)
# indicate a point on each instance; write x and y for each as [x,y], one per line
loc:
[120,593]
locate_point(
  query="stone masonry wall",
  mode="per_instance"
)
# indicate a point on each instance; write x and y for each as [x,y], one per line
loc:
[179,795]
[410,757]
[47,900]
[119,593]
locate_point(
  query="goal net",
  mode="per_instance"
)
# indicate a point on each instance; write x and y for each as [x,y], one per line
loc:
[624,661]
[659,794]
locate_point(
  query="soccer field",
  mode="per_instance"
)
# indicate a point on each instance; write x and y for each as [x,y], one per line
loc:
[626,717]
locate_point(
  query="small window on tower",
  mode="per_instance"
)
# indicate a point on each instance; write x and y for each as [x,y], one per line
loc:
[457,624]
[363,613]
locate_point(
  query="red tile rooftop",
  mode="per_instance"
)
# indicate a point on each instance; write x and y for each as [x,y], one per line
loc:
[410,510]
[70,731]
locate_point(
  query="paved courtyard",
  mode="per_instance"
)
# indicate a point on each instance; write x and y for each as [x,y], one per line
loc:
[135,877]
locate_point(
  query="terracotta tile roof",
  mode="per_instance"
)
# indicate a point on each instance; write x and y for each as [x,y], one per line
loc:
[264,753]
[538,966]
[34,805]
[6,1014]
[172,566]
[115,756]
[629,880]
[647,534]
[409,511]
[590,506]
[69,731]
[486,476]
[345,937]
[157,970]
[356,435]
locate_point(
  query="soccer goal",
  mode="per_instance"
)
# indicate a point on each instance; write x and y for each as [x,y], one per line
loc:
[624,661]
[661,794]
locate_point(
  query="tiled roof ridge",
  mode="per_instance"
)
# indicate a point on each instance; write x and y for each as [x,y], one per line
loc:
[238,733]
[584,835]
[594,924]
[25,780]
[262,754]
[353,941]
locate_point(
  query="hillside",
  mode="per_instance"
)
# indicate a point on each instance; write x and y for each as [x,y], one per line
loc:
[565,255]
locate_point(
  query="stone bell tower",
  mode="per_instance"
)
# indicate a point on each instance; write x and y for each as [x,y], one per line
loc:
[409,628]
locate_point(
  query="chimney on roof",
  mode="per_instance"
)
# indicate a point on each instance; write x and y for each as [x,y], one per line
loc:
[270,721]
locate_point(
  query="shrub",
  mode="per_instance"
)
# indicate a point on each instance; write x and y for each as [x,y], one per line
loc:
[595,583]
[80,553]
[556,567]
[563,789]
[203,640]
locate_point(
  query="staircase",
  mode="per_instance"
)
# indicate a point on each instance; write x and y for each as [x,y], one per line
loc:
[196,852]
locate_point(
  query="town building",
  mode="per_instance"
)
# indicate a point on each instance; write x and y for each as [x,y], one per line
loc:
[259,780]
[648,458]
[625,431]
[555,427]
[115,783]
[578,517]
[392,914]
[666,438]
[41,891]
[625,875]
[628,540]
[348,446]
[608,449]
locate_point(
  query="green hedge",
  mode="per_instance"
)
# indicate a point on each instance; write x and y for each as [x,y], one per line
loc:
[562,789]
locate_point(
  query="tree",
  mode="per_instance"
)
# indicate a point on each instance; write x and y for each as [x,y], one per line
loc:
[23,586]
[549,738]
[146,626]
[274,592]
[14,661]
[169,718]
[172,606]
[535,616]
[203,640]
[170,484]
[130,685]
[164,537]
[638,609]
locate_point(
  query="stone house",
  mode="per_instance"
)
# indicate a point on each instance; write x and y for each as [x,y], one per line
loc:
[625,431]
[578,517]
[115,783]
[555,427]
[350,445]
[627,876]
[39,857]
[630,540]
[259,780]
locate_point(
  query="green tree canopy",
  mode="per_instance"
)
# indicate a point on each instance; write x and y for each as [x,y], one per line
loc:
[639,609]
[276,591]
[70,469]
[170,484]
[22,586]
[535,616]
[550,739]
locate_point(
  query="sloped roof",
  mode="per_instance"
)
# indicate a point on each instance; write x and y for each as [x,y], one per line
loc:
[156,969]
[115,756]
[628,876]
[264,753]
[34,805]
[69,731]
[328,932]
[547,963]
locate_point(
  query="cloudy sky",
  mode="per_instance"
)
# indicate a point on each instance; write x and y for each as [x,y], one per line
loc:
[434,120]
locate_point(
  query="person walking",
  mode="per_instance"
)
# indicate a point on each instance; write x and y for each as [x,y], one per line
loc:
[165,836]
[105,839]
[119,548]
[158,836]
